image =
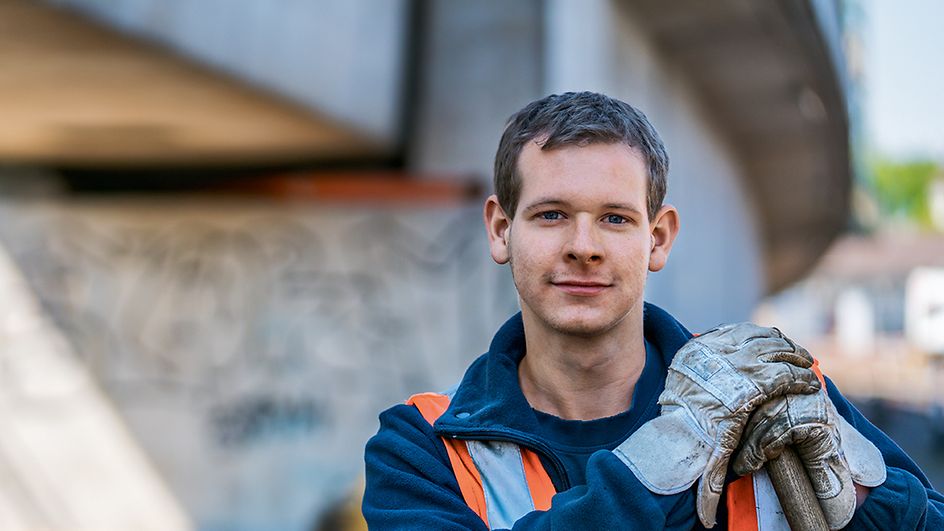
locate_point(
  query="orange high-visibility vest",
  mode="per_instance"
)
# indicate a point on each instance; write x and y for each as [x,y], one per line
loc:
[499,480]
[502,481]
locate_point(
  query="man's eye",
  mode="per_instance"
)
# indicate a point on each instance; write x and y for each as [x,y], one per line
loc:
[614,218]
[550,216]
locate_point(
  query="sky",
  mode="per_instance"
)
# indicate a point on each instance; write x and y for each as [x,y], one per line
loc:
[904,77]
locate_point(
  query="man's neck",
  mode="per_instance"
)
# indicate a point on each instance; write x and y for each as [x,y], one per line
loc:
[582,378]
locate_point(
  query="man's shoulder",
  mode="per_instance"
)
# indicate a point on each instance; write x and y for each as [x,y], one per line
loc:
[402,429]
[664,331]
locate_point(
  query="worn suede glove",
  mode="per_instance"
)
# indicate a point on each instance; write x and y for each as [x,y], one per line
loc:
[714,383]
[834,454]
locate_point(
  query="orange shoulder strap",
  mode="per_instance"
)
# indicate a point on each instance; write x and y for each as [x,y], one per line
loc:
[819,373]
[539,483]
[742,506]
[432,406]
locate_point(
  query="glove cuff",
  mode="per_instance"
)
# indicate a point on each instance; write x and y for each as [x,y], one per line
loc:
[667,454]
[865,460]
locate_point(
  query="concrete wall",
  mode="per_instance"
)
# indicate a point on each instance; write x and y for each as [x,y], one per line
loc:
[249,345]
[482,61]
[343,58]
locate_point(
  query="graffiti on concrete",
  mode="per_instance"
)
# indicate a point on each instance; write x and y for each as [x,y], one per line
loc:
[255,418]
[242,341]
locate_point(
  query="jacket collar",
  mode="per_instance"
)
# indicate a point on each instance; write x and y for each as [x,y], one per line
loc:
[489,401]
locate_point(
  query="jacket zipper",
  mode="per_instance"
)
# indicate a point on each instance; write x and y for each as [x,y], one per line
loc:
[531,444]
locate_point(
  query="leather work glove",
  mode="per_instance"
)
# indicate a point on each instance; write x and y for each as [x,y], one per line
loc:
[834,454]
[714,383]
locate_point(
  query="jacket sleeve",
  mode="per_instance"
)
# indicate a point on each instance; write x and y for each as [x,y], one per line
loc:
[906,500]
[410,485]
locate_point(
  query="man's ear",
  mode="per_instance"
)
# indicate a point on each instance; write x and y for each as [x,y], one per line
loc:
[498,227]
[665,228]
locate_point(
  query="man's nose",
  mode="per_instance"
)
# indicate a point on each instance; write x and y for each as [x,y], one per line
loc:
[584,245]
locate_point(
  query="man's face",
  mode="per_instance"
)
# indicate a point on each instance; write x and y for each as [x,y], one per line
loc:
[580,242]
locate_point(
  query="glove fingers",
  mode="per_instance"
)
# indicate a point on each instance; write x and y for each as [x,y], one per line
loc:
[767,425]
[798,420]
[787,352]
[834,488]
[827,475]
[792,381]
[753,457]
[811,425]
[736,334]
[767,344]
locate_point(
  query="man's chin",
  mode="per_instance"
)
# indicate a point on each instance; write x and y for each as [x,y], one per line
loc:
[583,326]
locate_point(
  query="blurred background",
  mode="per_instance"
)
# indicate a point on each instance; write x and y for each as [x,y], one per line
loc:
[233,231]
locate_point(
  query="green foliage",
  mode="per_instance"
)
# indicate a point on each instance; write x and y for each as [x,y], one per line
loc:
[902,188]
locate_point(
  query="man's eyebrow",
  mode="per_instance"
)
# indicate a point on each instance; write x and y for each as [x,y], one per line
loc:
[546,201]
[622,206]
[550,201]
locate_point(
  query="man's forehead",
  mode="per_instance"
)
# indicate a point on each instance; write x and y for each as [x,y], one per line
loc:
[549,173]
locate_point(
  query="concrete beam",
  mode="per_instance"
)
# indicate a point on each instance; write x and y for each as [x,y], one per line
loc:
[74,93]
[770,74]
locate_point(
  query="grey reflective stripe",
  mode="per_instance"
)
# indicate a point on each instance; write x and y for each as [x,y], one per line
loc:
[769,513]
[507,496]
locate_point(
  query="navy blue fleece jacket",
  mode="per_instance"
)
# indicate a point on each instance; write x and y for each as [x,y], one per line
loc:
[410,483]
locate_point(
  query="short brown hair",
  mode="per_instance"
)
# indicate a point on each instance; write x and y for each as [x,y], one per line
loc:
[578,118]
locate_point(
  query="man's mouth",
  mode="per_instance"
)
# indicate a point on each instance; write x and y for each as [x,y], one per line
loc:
[581,288]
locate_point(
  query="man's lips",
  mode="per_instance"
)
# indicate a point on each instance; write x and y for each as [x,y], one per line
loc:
[581,288]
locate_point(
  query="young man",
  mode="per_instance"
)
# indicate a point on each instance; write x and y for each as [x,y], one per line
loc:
[595,410]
